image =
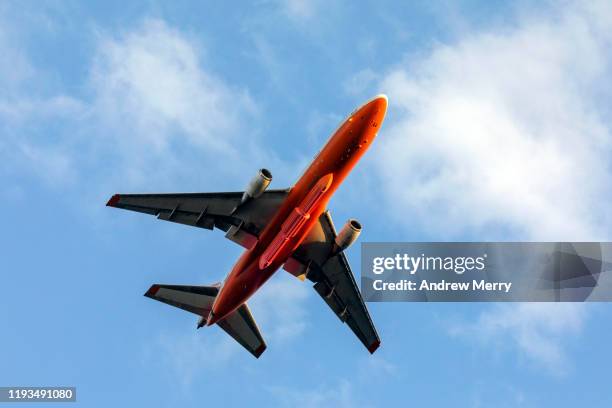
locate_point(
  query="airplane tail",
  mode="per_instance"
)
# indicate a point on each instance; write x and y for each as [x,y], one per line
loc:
[199,300]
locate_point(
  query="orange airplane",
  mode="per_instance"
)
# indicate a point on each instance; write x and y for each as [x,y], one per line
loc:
[289,228]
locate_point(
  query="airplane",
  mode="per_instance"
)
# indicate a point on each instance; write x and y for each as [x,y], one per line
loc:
[291,228]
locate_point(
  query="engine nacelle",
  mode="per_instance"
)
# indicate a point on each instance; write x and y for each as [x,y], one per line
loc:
[348,234]
[257,185]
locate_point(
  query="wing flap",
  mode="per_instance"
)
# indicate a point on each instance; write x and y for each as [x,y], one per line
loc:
[206,210]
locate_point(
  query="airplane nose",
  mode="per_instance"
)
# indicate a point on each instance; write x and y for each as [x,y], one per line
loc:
[381,98]
[376,109]
[381,101]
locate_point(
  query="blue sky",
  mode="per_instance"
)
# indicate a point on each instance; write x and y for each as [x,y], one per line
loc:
[498,129]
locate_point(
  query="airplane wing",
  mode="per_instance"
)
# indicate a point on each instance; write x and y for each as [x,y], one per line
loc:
[208,210]
[199,300]
[334,280]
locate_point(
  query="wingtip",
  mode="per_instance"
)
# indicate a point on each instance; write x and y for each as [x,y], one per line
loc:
[374,346]
[112,202]
[152,291]
[259,350]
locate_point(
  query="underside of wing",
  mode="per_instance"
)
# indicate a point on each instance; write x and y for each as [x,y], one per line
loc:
[334,281]
[208,210]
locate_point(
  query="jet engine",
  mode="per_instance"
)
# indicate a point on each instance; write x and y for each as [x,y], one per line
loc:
[348,234]
[257,185]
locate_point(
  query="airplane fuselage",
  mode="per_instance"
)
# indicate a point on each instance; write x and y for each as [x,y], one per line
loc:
[301,209]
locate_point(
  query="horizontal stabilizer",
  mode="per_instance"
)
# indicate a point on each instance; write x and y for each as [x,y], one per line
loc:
[242,327]
[194,299]
[199,300]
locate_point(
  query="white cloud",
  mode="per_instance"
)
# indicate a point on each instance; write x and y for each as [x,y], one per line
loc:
[366,373]
[279,309]
[539,331]
[27,146]
[24,108]
[498,393]
[53,164]
[188,354]
[153,77]
[361,81]
[157,102]
[15,67]
[153,111]
[504,133]
[300,9]
[341,394]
